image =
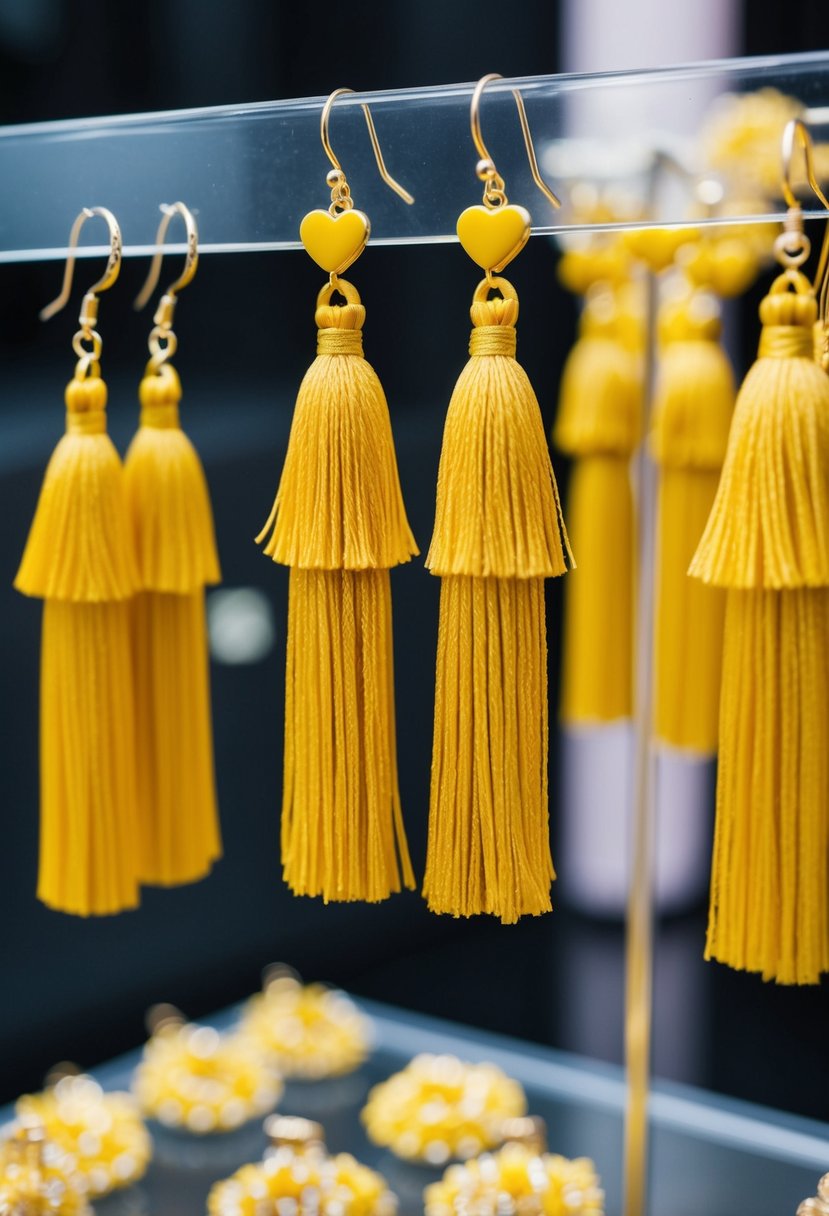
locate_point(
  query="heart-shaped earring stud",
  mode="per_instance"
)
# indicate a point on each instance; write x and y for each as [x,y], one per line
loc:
[335,241]
[493,237]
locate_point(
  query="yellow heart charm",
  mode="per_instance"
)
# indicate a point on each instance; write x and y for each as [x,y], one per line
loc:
[493,238]
[334,241]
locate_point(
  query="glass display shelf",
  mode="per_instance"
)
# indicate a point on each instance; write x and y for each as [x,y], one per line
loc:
[711,1156]
[252,171]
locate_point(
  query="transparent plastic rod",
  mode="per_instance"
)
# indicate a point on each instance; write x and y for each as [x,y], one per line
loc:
[251,172]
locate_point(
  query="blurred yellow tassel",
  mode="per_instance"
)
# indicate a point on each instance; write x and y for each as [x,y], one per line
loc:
[692,415]
[598,424]
[173,527]
[79,558]
[498,534]
[339,522]
[767,542]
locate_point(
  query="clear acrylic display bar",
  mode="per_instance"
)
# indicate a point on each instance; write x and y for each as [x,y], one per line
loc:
[252,171]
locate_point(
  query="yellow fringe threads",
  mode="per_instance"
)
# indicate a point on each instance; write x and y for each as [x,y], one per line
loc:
[767,542]
[339,522]
[79,558]
[598,425]
[179,837]
[498,535]
[691,417]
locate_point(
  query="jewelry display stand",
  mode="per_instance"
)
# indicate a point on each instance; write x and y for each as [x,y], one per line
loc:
[250,173]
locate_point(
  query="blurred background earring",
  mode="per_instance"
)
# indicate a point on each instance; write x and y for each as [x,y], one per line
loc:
[692,412]
[309,1031]
[194,1079]
[339,522]
[693,405]
[79,558]
[498,535]
[102,1133]
[169,506]
[767,543]
[599,424]
[817,1205]
[297,1160]
[37,1175]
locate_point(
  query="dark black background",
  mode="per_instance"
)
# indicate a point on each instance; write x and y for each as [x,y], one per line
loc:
[78,990]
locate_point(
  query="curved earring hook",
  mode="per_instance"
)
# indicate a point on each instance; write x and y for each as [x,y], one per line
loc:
[796,134]
[191,262]
[113,266]
[478,139]
[399,190]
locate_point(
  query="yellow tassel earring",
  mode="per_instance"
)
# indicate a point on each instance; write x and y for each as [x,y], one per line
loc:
[689,434]
[339,522]
[79,558]
[599,423]
[498,535]
[767,543]
[178,838]
[691,418]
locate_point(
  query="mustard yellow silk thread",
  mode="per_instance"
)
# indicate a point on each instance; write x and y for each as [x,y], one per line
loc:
[171,517]
[766,543]
[79,558]
[339,522]
[498,535]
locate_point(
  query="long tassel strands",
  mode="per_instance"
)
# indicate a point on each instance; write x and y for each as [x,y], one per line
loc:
[691,418]
[598,425]
[767,543]
[179,835]
[79,559]
[339,522]
[498,535]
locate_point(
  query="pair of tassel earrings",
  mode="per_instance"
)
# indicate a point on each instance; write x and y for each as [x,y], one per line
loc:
[338,521]
[742,649]
[599,425]
[121,556]
[766,544]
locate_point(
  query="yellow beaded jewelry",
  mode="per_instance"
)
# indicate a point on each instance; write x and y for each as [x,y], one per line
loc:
[517,1179]
[102,1134]
[37,1178]
[299,1176]
[438,1108]
[193,1078]
[307,1031]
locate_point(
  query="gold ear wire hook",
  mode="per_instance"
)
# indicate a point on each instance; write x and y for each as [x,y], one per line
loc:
[162,341]
[796,134]
[113,268]
[486,165]
[169,210]
[399,190]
